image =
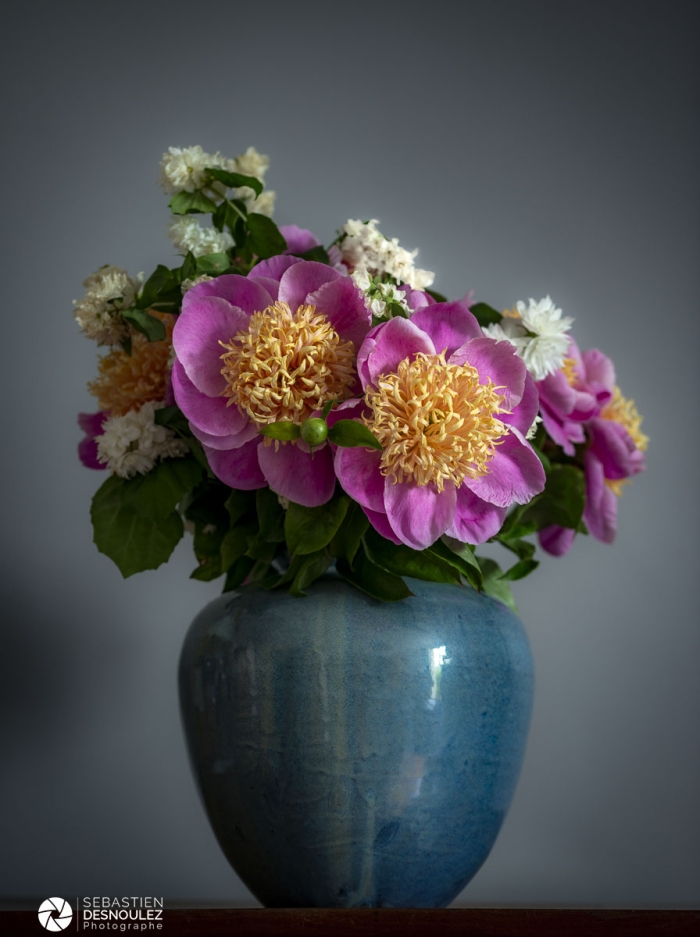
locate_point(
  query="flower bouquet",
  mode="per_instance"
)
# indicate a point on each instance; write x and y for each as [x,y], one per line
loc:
[295,406]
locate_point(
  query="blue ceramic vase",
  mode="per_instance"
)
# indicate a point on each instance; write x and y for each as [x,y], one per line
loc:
[352,753]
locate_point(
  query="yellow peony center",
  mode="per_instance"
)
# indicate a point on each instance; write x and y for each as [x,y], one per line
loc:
[126,382]
[624,411]
[435,421]
[287,364]
[570,369]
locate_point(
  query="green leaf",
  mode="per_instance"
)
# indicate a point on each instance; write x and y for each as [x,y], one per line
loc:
[303,570]
[213,264]
[350,433]
[236,180]
[546,464]
[271,516]
[189,267]
[226,215]
[240,503]
[514,527]
[157,493]
[160,281]
[174,418]
[495,585]
[191,203]
[523,549]
[438,297]
[485,315]
[461,556]
[403,561]
[152,328]
[126,345]
[318,253]
[562,502]
[373,580]
[520,570]
[133,541]
[265,238]
[309,529]
[327,407]
[235,543]
[238,573]
[281,430]
[346,541]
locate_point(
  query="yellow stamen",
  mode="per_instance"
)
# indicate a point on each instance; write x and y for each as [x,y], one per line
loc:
[616,485]
[126,382]
[570,369]
[624,411]
[435,421]
[512,313]
[286,365]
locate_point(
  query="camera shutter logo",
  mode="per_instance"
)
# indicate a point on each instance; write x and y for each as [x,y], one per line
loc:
[55,914]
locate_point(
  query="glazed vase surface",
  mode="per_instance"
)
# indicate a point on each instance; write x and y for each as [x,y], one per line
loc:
[352,753]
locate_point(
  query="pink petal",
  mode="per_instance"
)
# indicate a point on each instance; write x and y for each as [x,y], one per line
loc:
[91,423]
[358,472]
[600,374]
[274,267]
[230,441]
[196,336]
[497,362]
[304,278]
[299,240]
[419,514]
[269,285]
[615,448]
[294,474]
[394,341]
[381,524]
[475,521]
[342,303]
[209,414]
[556,392]
[556,540]
[600,513]
[87,453]
[524,414]
[237,468]
[449,325]
[515,473]
[239,291]
[563,432]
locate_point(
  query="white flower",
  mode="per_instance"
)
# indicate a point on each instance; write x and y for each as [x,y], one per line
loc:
[545,352]
[184,170]
[133,443]
[251,163]
[264,204]
[538,332]
[108,291]
[187,284]
[364,246]
[187,234]
[379,295]
[532,432]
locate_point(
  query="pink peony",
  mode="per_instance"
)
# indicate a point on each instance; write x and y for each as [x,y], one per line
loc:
[451,409]
[615,453]
[91,425]
[574,394]
[269,347]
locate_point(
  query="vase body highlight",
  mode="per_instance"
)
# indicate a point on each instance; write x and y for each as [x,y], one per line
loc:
[354,753]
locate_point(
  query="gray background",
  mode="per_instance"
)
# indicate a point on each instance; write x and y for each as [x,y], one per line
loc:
[527,148]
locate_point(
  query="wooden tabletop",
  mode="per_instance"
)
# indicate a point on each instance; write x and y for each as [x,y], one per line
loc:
[367,922]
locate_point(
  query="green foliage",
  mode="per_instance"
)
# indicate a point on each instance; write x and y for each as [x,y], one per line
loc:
[211,264]
[485,314]
[148,325]
[264,237]
[310,529]
[403,561]
[236,180]
[461,556]
[562,502]
[128,529]
[350,433]
[283,430]
[318,253]
[494,583]
[372,579]
[191,203]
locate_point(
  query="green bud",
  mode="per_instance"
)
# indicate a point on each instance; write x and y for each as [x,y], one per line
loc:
[314,432]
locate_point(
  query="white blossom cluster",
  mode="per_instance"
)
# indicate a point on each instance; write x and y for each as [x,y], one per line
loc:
[538,332]
[133,443]
[108,291]
[380,295]
[184,169]
[364,247]
[187,284]
[187,234]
